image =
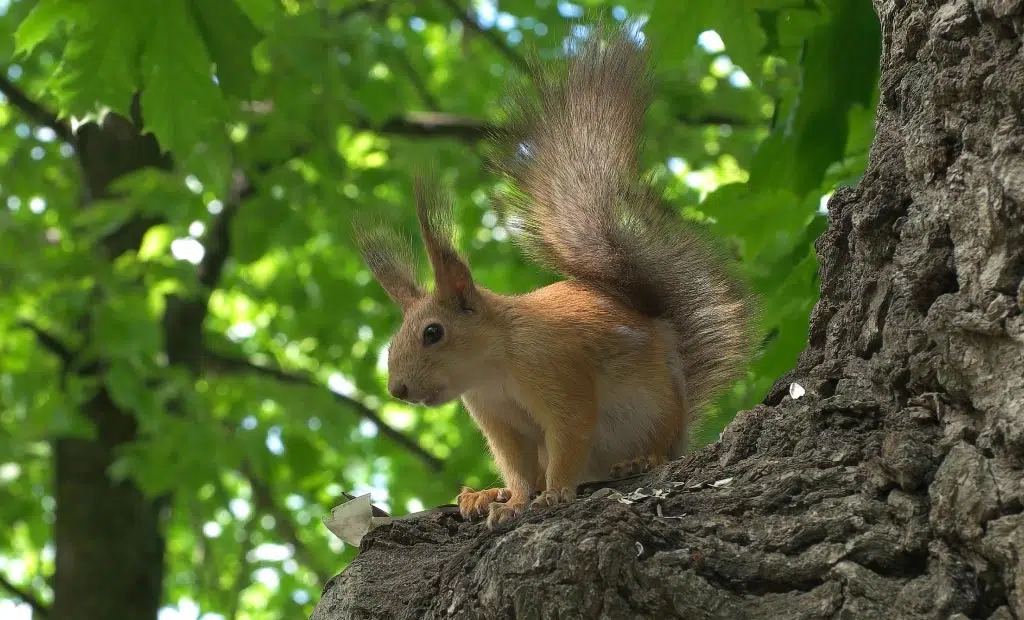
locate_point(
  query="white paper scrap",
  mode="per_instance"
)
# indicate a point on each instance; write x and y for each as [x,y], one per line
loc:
[796,391]
[353,520]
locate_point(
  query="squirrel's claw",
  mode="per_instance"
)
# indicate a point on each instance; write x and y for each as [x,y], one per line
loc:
[503,513]
[473,504]
[552,497]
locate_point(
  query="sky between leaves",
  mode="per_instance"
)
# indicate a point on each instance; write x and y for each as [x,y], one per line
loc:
[765,106]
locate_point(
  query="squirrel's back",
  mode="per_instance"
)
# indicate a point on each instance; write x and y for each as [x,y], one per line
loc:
[580,207]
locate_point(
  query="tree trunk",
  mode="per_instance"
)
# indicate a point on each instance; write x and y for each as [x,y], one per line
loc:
[110,549]
[893,488]
[108,534]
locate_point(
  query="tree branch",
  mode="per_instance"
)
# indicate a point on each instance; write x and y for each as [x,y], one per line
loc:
[241,580]
[713,118]
[34,110]
[49,341]
[26,597]
[492,37]
[360,7]
[218,242]
[431,125]
[444,125]
[417,82]
[225,364]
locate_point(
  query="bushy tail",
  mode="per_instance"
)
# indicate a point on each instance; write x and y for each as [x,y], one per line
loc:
[581,208]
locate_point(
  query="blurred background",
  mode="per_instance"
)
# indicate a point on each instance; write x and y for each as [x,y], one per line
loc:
[249,427]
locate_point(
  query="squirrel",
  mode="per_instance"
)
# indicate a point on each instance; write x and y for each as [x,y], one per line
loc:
[603,372]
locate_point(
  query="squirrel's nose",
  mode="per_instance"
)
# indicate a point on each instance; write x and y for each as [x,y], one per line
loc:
[399,391]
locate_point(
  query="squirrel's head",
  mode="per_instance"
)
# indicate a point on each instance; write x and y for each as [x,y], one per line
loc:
[446,334]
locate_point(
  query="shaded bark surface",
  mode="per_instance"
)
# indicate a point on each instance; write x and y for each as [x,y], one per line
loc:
[893,488]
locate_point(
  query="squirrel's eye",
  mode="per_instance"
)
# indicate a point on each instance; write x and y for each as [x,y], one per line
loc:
[432,334]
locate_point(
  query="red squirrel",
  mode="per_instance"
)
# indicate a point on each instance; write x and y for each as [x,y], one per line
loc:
[597,375]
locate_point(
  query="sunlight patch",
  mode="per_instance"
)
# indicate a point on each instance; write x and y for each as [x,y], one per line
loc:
[188,249]
[711,42]
[368,429]
[240,508]
[338,384]
[739,79]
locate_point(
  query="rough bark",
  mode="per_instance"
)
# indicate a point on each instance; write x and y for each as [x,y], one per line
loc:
[893,488]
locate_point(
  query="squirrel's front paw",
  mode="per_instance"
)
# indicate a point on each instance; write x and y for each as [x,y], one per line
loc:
[552,497]
[474,504]
[503,513]
[641,465]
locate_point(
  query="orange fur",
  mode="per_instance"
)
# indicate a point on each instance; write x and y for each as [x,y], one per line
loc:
[477,503]
[598,374]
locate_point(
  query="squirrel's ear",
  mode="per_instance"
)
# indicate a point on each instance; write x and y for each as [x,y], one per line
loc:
[451,273]
[390,259]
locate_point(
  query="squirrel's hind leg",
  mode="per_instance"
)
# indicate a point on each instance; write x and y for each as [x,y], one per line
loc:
[642,465]
[670,439]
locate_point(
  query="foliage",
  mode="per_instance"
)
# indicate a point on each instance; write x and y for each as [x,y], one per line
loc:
[323,106]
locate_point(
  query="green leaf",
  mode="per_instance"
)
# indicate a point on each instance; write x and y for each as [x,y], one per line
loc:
[155,243]
[254,232]
[263,13]
[742,212]
[124,329]
[301,455]
[42,21]
[101,217]
[155,191]
[839,73]
[230,36]
[179,98]
[128,389]
[676,25]
[99,66]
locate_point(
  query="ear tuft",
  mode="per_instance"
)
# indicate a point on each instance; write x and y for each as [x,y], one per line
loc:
[389,257]
[435,209]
